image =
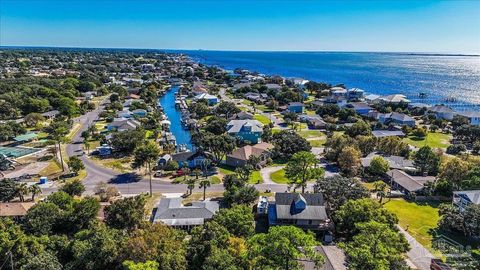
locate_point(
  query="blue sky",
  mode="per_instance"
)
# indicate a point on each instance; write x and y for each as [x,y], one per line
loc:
[400,26]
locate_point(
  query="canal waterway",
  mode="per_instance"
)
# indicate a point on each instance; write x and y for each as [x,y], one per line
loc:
[174,115]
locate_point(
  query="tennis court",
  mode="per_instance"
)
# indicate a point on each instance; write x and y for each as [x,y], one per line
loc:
[15,152]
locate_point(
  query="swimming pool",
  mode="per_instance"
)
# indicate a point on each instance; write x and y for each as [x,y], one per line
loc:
[15,152]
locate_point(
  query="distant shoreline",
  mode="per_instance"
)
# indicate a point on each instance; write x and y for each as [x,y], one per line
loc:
[193,50]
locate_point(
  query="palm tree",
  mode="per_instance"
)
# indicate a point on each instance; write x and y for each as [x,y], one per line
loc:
[197,172]
[190,185]
[35,190]
[204,184]
[146,155]
[22,190]
[86,145]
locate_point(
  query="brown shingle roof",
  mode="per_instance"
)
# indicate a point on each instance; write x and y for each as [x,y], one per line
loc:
[245,152]
[15,209]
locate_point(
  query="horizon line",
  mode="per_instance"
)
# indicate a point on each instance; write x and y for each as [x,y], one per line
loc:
[227,50]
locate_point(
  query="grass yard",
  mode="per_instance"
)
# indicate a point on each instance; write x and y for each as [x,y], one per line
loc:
[255,178]
[311,133]
[433,139]
[279,177]
[121,165]
[317,143]
[420,218]
[262,119]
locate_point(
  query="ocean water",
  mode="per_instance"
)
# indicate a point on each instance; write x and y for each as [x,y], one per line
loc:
[439,76]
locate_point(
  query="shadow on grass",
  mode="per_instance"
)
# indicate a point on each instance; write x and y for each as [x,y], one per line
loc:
[413,138]
[126,178]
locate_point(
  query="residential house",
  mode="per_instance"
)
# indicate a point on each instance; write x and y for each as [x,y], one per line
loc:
[361,108]
[104,150]
[394,162]
[139,113]
[388,133]
[129,102]
[51,114]
[392,99]
[256,97]
[275,79]
[162,161]
[296,107]
[473,117]
[198,88]
[15,210]
[355,94]
[246,130]
[242,85]
[462,199]
[442,112]
[396,118]
[338,100]
[240,156]
[242,116]
[406,183]
[304,210]
[273,86]
[194,159]
[211,99]
[172,212]
[122,124]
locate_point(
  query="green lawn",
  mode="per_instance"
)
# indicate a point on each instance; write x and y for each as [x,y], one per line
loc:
[310,133]
[433,139]
[262,119]
[317,143]
[420,218]
[255,178]
[279,177]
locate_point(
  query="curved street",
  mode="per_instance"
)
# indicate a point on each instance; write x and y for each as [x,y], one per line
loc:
[128,183]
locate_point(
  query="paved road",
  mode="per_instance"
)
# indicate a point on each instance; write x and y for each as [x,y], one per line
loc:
[418,254]
[128,183]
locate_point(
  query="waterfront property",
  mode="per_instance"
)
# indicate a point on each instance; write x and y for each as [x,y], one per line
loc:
[172,212]
[306,210]
[191,159]
[211,99]
[246,130]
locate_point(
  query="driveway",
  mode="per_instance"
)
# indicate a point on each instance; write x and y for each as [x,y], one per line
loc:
[418,254]
[265,173]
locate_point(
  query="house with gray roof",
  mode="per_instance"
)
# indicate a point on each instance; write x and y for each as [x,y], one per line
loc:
[442,112]
[395,162]
[396,118]
[305,210]
[472,116]
[462,199]
[387,133]
[246,130]
[406,183]
[172,212]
